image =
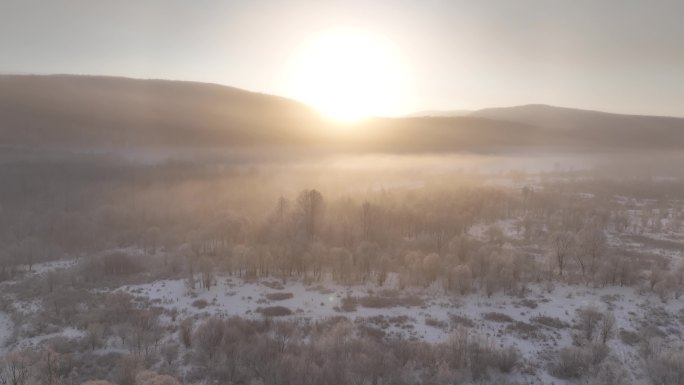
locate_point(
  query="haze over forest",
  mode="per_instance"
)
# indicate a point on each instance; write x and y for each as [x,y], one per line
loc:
[242,193]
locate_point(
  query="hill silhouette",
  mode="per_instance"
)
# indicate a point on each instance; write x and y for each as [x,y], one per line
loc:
[69,111]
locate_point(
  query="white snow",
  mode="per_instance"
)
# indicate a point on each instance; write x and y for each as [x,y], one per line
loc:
[46,267]
[233,296]
[26,343]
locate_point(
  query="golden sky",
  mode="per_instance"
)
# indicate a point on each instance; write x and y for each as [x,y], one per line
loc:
[618,55]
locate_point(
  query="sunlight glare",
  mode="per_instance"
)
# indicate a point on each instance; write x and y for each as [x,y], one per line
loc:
[348,75]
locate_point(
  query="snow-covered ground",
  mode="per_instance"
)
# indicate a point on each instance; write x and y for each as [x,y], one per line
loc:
[233,296]
[43,268]
[26,343]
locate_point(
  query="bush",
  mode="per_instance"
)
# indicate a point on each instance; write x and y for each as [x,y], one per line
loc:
[378,302]
[367,331]
[275,285]
[483,355]
[379,320]
[551,322]
[119,263]
[279,296]
[529,303]
[506,359]
[666,368]
[589,319]
[63,345]
[399,320]
[200,303]
[524,330]
[497,317]
[629,337]
[462,320]
[274,311]
[612,372]
[429,321]
[572,362]
[347,305]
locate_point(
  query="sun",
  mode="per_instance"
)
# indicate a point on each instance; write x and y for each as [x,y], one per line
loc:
[348,74]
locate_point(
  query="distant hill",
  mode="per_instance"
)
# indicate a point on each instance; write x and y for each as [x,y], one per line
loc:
[439,113]
[112,112]
[92,112]
[593,129]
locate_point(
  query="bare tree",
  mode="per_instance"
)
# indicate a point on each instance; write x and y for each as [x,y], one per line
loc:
[28,251]
[562,244]
[15,369]
[207,273]
[126,369]
[591,246]
[463,278]
[170,352]
[310,205]
[366,220]
[94,335]
[185,332]
[209,336]
[49,367]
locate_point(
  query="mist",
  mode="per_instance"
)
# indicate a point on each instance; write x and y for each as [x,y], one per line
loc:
[171,232]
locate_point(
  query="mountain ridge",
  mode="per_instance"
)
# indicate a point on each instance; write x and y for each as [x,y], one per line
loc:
[89,111]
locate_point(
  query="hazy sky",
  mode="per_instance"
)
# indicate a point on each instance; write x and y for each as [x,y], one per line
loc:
[619,55]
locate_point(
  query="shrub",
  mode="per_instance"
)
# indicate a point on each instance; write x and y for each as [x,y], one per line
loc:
[320,289]
[524,330]
[429,321]
[379,320]
[379,302]
[274,311]
[551,322]
[629,337]
[399,320]
[572,362]
[666,368]
[185,331]
[279,296]
[148,377]
[506,359]
[497,317]
[347,305]
[528,303]
[589,320]
[63,345]
[462,320]
[371,332]
[200,303]
[273,285]
[483,355]
[119,263]
[612,372]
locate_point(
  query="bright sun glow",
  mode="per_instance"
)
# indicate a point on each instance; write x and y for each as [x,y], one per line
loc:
[348,75]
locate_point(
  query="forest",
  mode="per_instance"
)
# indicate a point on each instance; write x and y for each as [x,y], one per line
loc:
[80,251]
